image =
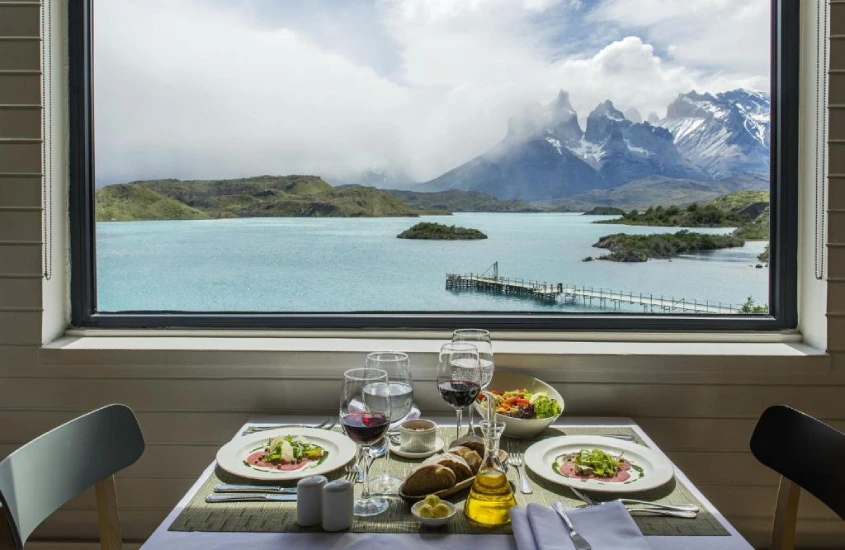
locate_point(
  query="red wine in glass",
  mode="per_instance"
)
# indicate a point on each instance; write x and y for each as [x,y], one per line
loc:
[458,393]
[365,427]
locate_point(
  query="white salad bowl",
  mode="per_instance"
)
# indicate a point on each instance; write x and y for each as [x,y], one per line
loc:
[520,428]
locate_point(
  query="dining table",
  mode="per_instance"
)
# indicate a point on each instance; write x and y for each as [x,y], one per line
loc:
[166,538]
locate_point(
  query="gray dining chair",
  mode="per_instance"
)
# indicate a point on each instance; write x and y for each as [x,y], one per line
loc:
[808,454]
[40,477]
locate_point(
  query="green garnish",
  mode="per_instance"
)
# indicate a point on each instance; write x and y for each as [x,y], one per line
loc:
[291,449]
[597,462]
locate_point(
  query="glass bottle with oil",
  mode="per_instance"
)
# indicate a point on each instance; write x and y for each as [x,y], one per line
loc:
[491,496]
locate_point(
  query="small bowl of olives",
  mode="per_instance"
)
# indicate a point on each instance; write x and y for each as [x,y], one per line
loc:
[433,512]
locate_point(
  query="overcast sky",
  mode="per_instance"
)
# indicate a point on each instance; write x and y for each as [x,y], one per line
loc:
[231,88]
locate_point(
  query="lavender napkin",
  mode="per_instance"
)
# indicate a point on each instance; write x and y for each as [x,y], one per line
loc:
[605,527]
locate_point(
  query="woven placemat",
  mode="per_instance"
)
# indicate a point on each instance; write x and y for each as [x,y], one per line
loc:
[280,517]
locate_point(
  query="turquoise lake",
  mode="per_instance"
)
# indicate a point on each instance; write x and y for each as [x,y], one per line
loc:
[358,264]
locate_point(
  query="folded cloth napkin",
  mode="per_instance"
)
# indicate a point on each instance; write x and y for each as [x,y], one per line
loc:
[606,527]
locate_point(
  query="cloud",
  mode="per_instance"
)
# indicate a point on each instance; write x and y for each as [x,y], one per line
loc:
[211,89]
[724,35]
[630,73]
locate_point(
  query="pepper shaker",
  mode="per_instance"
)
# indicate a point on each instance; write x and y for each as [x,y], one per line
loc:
[309,498]
[338,505]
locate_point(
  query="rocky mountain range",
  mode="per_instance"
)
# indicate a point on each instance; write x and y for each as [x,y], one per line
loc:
[724,134]
[546,155]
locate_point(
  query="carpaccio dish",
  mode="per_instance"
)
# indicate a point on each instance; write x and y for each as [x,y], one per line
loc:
[598,465]
[286,454]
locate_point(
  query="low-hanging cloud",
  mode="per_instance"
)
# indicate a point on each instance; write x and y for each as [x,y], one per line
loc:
[202,89]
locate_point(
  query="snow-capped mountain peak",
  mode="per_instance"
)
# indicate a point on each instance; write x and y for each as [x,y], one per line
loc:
[546,155]
[724,134]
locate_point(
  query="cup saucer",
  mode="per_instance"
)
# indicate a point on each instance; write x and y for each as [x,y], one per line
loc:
[399,451]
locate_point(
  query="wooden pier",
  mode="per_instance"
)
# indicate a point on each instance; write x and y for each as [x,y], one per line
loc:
[586,296]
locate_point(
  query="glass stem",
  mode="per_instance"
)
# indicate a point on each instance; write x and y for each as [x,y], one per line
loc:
[470,427]
[365,464]
[458,414]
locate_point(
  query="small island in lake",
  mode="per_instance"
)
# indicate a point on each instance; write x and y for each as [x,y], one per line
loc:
[438,231]
[639,248]
[605,211]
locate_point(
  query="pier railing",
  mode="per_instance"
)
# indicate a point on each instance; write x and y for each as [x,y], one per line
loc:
[588,296]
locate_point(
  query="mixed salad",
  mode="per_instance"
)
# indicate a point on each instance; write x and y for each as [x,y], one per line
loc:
[597,465]
[289,452]
[596,462]
[520,403]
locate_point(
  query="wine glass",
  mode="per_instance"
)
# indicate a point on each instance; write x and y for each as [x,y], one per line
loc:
[481,339]
[400,391]
[458,376]
[365,421]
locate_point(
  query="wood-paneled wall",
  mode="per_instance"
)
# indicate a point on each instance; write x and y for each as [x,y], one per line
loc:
[704,426]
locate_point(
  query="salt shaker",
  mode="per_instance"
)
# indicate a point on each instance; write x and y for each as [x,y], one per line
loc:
[309,498]
[338,505]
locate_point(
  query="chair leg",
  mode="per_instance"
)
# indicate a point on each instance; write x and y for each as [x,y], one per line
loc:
[7,539]
[111,537]
[786,515]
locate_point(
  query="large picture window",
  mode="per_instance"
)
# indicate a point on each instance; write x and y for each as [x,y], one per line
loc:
[594,164]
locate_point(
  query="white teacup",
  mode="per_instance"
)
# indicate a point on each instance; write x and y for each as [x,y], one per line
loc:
[418,436]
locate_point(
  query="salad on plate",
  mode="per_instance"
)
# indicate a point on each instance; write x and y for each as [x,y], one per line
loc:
[521,403]
[286,453]
[597,464]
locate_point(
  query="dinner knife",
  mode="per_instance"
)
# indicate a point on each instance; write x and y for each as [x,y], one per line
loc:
[234,488]
[577,540]
[662,512]
[249,497]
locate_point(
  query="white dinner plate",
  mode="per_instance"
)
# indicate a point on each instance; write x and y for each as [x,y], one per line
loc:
[232,456]
[650,468]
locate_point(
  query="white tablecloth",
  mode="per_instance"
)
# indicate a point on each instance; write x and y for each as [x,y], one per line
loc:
[162,539]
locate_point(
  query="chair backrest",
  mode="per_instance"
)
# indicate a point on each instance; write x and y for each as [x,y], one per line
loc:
[40,477]
[804,450]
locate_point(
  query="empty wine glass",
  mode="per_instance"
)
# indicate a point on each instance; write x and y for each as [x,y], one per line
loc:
[365,421]
[400,391]
[458,377]
[482,340]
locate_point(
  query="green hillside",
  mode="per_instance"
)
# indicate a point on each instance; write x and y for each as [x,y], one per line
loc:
[127,202]
[261,196]
[656,191]
[460,201]
[749,203]
[746,210]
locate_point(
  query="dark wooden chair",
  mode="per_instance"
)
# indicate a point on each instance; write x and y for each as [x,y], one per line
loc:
[40,477]
[809,455]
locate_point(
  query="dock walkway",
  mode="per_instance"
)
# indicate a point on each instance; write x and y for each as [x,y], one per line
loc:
[587,296]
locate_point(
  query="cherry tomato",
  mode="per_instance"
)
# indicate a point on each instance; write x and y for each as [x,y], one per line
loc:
[522,402]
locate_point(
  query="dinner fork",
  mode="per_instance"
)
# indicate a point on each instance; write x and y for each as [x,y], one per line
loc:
[353,470]
[515,459]
[326,424]
[688,511]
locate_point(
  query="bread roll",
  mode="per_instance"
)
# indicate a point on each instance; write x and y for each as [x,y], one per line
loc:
[454,463]
[473,459]
[471,442]
[429,478]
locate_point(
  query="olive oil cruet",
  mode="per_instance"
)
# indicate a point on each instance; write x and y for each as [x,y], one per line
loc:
[491,495]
